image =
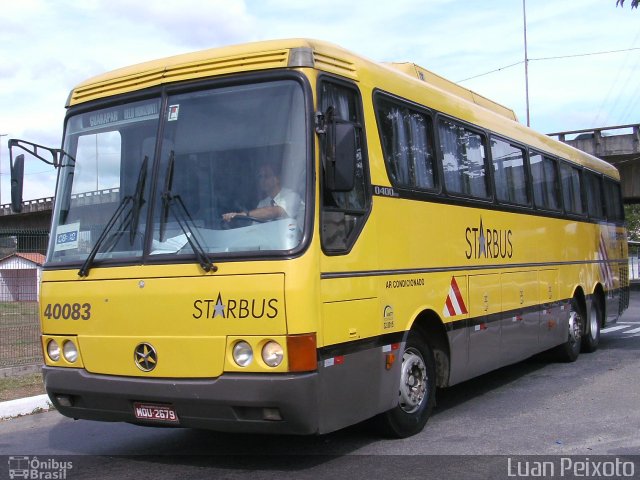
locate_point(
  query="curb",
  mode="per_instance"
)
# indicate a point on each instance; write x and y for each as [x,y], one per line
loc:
[24,406]
[19,370]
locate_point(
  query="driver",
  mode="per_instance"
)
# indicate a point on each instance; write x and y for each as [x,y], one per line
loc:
[278,203]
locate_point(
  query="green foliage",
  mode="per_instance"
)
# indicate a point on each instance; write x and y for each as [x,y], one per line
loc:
[632,216]
[634,3]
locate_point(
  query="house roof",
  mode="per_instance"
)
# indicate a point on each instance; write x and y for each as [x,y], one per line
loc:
[36,258]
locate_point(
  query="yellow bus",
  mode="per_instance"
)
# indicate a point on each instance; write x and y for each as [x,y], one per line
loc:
[286,237]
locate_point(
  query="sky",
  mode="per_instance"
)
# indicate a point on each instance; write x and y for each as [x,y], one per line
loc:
[49,46]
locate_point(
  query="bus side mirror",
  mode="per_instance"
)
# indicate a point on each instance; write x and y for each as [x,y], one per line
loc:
[340,168]
[17,182]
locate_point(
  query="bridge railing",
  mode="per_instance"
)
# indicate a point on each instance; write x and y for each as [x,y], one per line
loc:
[107,195]
[612,142]
[29,206]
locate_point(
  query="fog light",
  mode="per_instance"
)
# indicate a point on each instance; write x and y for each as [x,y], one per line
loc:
[53,350]
[64,400]
[271,414]
[242,354]
[272,354]
[70,351]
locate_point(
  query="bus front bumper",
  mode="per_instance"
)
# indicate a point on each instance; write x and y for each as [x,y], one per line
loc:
[270,403]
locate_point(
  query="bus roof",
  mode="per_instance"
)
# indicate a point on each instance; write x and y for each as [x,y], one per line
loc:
[294,53]
[453,88]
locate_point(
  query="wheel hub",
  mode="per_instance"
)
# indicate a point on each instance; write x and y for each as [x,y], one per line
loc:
[413,383]
[575,329]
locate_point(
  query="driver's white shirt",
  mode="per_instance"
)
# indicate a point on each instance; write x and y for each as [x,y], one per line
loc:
[286,199]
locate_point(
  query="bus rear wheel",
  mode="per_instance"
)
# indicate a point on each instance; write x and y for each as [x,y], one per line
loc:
[416,396]
[569,351]
[591,338]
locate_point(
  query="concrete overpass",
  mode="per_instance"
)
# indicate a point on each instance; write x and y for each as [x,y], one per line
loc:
[619,145]
[36,214]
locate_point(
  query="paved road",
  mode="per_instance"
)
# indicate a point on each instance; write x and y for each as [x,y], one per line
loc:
[537,407]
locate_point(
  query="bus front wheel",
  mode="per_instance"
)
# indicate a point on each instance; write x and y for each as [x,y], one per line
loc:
[416,396]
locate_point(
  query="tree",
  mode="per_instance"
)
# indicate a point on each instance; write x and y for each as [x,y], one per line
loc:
[632,216]
[634,3]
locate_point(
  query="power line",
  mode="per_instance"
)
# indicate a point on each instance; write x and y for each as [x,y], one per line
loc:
[550,58]
[585,54]
[614,85]
[627,82]
[492,71]
[3,174]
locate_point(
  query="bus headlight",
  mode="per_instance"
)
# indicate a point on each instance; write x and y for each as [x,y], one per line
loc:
[242,354]
[70,351]
[53,350]
[272,354]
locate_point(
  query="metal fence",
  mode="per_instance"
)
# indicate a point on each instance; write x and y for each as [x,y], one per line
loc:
[634,261]
[21,258]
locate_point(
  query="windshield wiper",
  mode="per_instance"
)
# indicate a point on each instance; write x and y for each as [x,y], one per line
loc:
[182,216]
[130,221]
[138,200]
[122,207]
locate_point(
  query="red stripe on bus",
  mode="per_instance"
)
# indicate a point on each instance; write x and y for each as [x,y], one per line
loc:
[456,291]
[450,309]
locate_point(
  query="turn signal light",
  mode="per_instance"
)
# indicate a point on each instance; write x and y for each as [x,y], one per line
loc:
[302,353]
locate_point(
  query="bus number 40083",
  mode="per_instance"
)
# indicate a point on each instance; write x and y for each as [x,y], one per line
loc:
[67,311]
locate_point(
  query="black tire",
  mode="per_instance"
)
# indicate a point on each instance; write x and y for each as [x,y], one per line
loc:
[569,351]
[591,338]
[417,393]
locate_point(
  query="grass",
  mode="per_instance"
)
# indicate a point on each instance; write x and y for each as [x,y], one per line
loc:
[12,388]
[20,345]
[14,314]
[19,334]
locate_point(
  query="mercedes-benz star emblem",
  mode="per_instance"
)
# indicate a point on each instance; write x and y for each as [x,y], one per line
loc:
[146,357]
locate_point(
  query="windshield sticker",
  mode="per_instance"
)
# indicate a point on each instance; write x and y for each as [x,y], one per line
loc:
[67,237]
[149,110]
[171,245]
[173,113]
[112,117]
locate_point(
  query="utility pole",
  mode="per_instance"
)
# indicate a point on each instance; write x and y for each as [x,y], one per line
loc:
[526,61]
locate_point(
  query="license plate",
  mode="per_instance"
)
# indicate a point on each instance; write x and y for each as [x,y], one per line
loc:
[155,413]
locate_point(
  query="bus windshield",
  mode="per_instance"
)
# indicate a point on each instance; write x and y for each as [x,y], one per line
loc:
[219,171]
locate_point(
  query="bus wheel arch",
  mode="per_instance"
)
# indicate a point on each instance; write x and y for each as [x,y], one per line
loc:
[594,320]
[416,393]
[430,326]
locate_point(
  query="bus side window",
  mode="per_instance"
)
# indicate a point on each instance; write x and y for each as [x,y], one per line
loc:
[407,142]
[463,160]
[595,203]
[544,176]
[613,198]
[344,213]
[571,189]
[509,172]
